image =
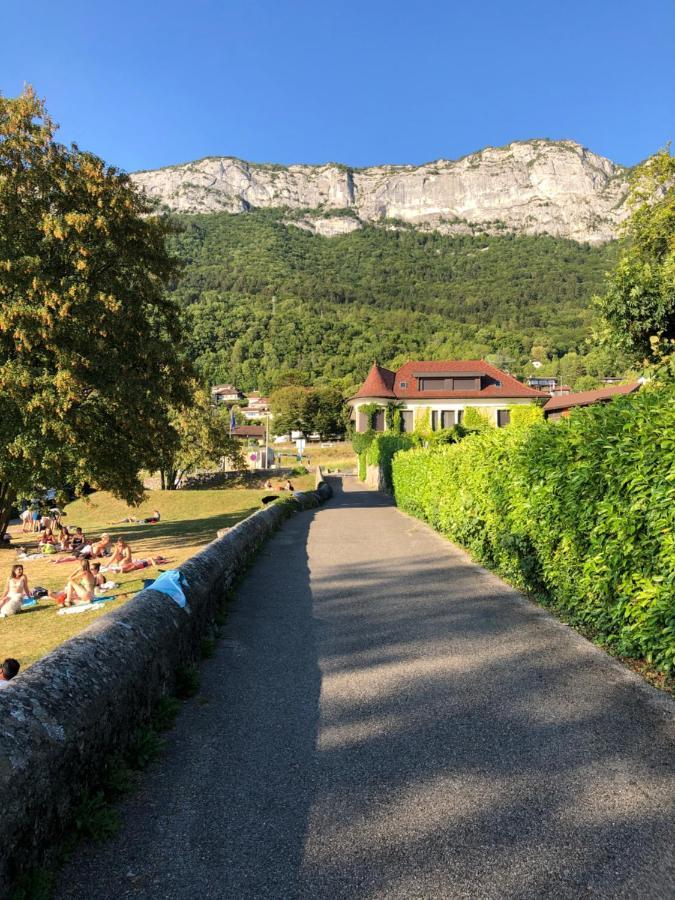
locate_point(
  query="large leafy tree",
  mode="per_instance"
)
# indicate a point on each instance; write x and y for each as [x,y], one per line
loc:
[203,438]
[638,308]
[88,339]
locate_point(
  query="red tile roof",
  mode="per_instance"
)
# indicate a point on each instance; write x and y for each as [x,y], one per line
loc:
[249,431]
[379,383]
[585,398]
[383,383]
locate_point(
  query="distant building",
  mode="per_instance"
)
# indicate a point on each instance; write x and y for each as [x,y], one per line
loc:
[258,407]
[557,407]
[249,432]
[542,383]
[225,393]
[443,389]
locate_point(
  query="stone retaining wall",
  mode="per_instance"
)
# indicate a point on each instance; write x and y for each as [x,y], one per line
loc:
[64,717]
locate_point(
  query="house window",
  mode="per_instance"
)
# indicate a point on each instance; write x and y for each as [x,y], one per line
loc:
[378,421]
[503,417]
[450,383]
[460,416]
[434,420]
[403,384]
[447,418]
[407,421]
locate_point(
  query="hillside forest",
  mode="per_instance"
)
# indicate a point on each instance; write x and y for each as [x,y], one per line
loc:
[266,303]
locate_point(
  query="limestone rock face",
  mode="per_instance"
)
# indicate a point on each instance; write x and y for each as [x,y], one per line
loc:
[529,187]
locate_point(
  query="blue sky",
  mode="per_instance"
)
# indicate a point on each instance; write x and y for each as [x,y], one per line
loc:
[147,83]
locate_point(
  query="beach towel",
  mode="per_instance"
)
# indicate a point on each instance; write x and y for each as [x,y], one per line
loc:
[172,583]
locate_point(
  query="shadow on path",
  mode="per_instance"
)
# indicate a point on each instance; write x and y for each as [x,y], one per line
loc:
[224,812]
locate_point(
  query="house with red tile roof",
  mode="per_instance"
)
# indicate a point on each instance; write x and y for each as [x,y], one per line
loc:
[557,407]
[441,389]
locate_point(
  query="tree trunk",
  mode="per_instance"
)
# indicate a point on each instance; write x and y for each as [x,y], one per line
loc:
[7,498]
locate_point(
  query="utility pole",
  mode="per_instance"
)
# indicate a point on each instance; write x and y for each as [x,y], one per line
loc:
[267,436]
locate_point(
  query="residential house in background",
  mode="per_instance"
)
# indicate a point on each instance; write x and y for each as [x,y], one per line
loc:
[258,407]
[225,393]
[542,382]
[559,406]
[443,389]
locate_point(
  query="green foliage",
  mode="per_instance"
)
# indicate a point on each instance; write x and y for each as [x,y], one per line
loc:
[639,306]
[361,440]
[202,438]
[260,297]
[310,410]
[187,682]
[382,449]
[36,884]
[94,818]
[145,747]
[526,415]
[474,419]
[422,419]
[88,336]
[446,436]
[581,511]
[362,466]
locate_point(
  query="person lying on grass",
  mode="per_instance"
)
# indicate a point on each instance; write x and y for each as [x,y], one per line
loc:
[16,590]
[8,670]
[78,588]
[152,519]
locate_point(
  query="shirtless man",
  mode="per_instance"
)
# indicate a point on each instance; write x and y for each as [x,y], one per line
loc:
[121,555]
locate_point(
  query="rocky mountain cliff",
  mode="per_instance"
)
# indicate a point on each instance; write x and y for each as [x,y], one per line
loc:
[529,187]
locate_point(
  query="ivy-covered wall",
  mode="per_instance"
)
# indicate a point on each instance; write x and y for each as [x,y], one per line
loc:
[580,511]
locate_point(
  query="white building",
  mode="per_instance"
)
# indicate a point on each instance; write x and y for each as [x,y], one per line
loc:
[441,389]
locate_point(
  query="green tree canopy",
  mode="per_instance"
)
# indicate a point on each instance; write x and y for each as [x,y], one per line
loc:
[88,338]
[203,433]
[638,308]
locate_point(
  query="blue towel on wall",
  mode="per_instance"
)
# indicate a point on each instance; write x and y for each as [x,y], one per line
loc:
[173,584]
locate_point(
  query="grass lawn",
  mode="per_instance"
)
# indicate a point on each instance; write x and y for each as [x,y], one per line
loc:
[190,519]
[336,458]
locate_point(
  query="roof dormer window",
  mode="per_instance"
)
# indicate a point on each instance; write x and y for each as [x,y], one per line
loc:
[403,384]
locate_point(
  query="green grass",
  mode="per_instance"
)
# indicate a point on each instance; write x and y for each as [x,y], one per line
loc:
[190,520]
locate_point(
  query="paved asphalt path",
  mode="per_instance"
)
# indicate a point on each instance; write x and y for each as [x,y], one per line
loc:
[385,719]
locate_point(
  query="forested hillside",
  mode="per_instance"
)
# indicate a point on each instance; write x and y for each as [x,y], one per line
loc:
[261,296]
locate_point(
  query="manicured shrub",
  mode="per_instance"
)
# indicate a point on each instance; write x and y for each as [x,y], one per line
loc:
[581,511]
[382,449]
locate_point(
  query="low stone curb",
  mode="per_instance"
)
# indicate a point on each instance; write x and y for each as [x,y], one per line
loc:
[64,718]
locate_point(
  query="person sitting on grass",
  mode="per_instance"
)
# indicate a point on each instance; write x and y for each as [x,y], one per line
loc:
[16,591]
[65,539]
[79,587]
[102,547]
[101,583]
[78,541]
[47,542]
[8,669]
[121,556]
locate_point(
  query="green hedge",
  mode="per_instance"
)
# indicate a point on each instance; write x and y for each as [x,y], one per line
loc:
[581,511]
[382,449]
